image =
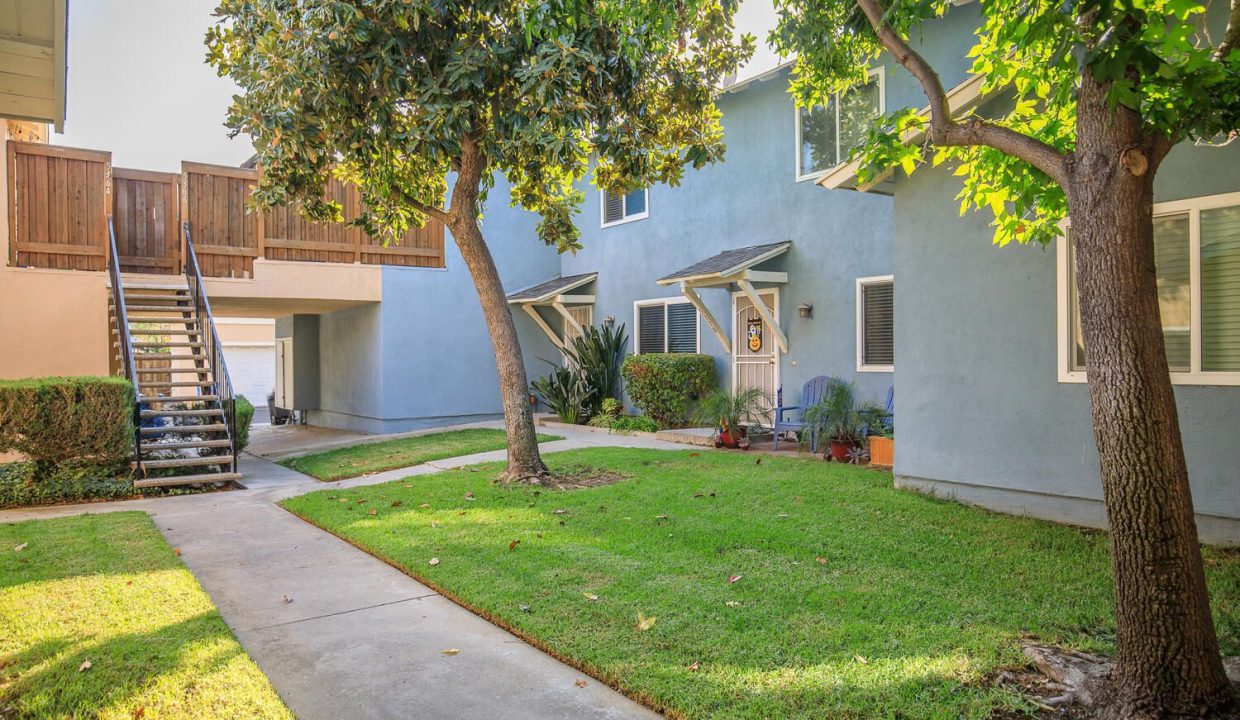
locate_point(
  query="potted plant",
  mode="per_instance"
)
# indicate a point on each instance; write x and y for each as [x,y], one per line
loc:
[733,414]
[842,420]
[883,442]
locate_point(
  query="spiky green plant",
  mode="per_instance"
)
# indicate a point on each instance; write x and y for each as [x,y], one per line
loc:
[840,416]
[747,407]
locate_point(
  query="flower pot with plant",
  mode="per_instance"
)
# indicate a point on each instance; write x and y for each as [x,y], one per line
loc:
[883,442]
[733,414]
[843,420]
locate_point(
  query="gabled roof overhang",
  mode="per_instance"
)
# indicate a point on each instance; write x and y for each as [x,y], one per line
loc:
[733,267]
[557,294]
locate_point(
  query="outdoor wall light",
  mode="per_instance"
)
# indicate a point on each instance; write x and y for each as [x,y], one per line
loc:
[609,322]
[805,310]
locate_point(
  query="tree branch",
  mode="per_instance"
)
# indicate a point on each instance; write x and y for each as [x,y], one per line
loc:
[944,130]
[423,208]
[1231,40]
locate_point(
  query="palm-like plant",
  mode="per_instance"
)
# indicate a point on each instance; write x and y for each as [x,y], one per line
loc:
[597,355]
[565,392]
[840,417]
[734,411]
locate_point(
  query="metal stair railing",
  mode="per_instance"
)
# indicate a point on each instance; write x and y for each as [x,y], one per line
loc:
[123,339]
[212,350]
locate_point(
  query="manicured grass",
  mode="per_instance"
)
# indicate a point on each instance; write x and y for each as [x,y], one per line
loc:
[915,603]
[107,589]
[391,454]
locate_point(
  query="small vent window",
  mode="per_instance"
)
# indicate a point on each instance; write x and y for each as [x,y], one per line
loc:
[876,324]
[623,208]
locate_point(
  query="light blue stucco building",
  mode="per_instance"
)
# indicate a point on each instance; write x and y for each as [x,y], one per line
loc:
[978,343]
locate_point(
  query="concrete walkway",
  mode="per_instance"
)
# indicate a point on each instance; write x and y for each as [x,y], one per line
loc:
[344,635]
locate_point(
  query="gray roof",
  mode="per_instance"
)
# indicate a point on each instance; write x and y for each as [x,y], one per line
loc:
[728,262]
[551,288]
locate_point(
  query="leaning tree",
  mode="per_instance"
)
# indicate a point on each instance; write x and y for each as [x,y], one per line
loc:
[1094,96]
[424,104]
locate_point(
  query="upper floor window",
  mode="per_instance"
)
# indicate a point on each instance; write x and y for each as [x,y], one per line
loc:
[1197,269]
[665,326]
[619,209]
[876,346]
[826,134]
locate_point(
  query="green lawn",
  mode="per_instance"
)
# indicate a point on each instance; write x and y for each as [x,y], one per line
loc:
[106,589]
[391,454]
[913,606]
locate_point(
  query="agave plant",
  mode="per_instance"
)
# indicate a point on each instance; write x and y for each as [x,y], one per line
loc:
[596,355]
[840,417]
[565,392]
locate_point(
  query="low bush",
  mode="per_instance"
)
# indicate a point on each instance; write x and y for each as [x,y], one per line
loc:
[667,385]
[245,415]
[624,422]
[22,484]
[59,419]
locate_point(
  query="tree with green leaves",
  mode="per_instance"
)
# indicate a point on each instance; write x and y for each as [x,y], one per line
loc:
[424,104]
[1094,96]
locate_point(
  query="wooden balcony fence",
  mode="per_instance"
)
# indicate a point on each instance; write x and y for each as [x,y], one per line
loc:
[60,198]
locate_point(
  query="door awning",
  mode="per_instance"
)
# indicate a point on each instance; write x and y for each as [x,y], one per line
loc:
[733,267]
[556,294]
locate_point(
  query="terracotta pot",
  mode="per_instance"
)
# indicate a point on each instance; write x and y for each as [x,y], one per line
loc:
[882,450]
[732,439]
[838,450]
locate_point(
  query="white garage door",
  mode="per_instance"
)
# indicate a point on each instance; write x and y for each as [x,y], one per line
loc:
[252,370]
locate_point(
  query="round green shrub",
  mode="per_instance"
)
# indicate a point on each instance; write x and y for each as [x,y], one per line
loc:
[666,385]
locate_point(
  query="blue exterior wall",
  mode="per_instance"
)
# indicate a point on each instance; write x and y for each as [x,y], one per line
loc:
[981,413]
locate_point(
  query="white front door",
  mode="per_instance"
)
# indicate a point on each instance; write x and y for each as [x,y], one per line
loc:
[755,353]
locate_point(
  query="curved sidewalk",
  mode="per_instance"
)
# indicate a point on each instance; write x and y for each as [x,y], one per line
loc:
[342,634]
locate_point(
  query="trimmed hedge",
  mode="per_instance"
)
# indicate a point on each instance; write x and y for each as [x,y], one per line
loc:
[245,415]
[58,419]
[665,385]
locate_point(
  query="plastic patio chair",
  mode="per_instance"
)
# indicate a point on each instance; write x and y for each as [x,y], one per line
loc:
[811,395]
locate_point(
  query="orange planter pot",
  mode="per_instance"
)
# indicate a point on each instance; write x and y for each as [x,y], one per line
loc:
[882,451]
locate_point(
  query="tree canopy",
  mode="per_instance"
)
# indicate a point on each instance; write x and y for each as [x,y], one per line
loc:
[386,92]
[1175,62]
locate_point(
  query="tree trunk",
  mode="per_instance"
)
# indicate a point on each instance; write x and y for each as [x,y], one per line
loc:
[1167,660]
[524,461]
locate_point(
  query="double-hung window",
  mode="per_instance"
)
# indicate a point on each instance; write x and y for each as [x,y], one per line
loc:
[619,209]
[665,326]
[876,346]
[826,134]
[1197,268]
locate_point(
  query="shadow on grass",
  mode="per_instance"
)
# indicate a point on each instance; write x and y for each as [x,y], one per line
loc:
[48,680]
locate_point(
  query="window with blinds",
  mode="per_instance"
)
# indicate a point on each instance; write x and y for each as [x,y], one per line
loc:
[1197,268]
[664,327]
[623,208]
[876,345]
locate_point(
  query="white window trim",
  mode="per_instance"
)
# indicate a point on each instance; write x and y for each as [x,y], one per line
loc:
[796,121]
[637,305]
[602,210]
[861,283]
[1195,375]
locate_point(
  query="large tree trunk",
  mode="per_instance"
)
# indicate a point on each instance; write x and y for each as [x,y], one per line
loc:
[524,461]
[1167,661]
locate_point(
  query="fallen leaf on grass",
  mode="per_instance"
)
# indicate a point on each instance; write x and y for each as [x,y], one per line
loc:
[84,666]
[821,560]
[396,503]
[758,461]
[513,545]
[561,511]
[660,518]
[733,578]
[698,495]
[138,713]
[783,515]
[21,547]
[732,603]
[643,622]
[694,667]
[344,500]
[590,596]
[861,660]
[433,562]
[434,523]
[470,495]
[452,651]
[524,608]
[580,683]
[424,506]
[177,550]
[374,512]
[695,454]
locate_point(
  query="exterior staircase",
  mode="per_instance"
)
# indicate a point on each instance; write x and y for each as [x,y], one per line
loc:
[165,343]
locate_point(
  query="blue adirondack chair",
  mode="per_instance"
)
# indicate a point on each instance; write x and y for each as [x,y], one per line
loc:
[811,394]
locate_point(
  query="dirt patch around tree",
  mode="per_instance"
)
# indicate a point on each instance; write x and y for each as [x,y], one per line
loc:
[579,477]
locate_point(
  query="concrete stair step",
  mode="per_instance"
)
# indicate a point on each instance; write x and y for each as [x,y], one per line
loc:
[186,445]
[187,479]
[187,462]
[185,429]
